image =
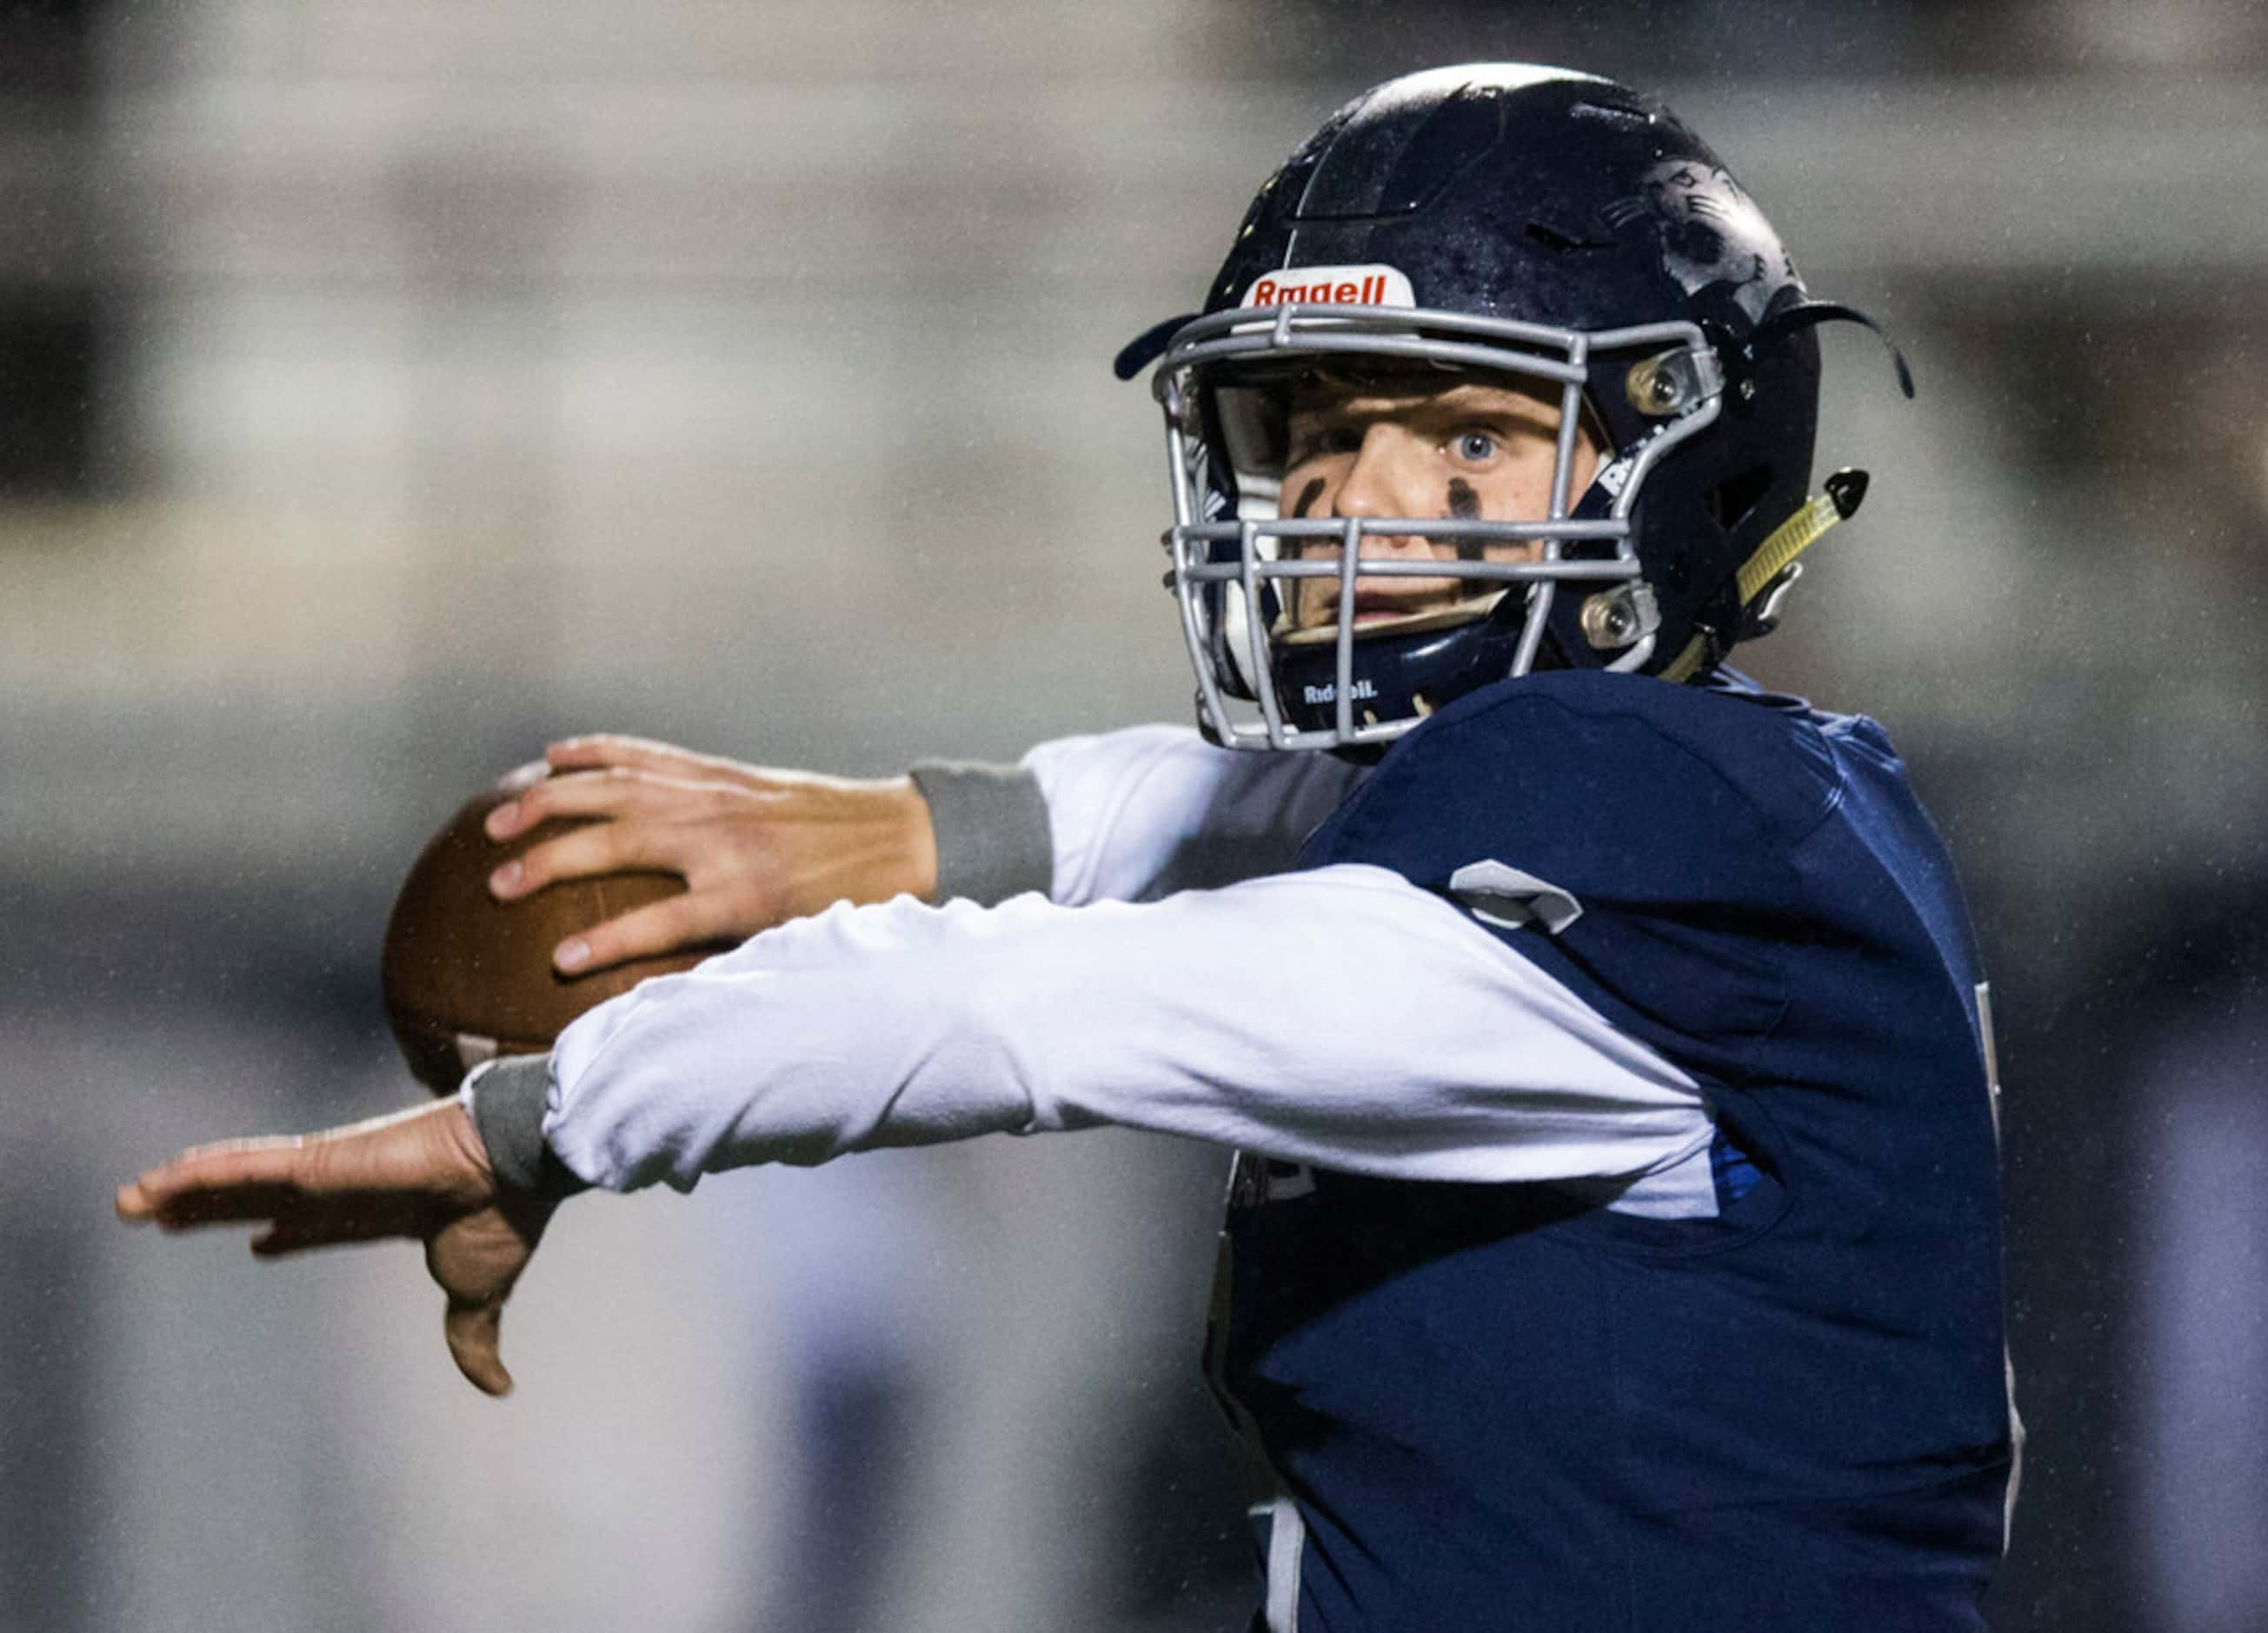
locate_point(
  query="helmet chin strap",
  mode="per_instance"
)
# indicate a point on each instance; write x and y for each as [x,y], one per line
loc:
[1764,577]
[1773,565]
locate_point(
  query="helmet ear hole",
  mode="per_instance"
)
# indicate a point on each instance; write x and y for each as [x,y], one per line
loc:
[1732,501]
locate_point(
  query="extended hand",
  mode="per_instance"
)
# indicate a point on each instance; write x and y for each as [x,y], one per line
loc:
[756,847]
[420,1173]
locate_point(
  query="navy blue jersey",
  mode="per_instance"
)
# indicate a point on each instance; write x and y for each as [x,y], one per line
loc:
[1514,1406]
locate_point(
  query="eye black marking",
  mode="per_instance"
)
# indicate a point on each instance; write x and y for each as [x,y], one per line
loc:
[1465,505]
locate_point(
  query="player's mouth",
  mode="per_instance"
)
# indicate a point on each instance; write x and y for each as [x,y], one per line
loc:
[1377,602]
[1381,609]
[1376,614]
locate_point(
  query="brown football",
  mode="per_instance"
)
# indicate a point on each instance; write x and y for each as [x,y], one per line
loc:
[466,977]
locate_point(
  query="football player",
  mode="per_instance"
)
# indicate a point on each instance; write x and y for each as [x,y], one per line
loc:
[1613,1241]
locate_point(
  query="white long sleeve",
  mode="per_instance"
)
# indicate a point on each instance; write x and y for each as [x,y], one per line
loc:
[1339,1017]
[1135,815]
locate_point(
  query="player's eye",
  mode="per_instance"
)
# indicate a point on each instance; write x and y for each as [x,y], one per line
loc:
[1476,447]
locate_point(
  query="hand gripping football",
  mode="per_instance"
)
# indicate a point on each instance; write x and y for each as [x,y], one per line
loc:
[466,977]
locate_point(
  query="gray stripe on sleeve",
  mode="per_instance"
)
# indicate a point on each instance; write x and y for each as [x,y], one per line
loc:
[508,1104]
[991,826]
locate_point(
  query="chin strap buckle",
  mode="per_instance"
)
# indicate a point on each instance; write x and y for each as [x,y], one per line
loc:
[1764,578]
[1844,491]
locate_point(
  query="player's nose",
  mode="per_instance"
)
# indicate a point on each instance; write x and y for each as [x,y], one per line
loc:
[1384,481]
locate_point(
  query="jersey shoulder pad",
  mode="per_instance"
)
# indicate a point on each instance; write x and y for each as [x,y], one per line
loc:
[1667,790]
[1631,835]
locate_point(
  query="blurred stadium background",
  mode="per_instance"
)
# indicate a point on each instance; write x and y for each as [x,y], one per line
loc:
[385,389]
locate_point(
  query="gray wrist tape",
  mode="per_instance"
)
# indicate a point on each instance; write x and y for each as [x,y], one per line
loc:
[991,826]
[508,1102]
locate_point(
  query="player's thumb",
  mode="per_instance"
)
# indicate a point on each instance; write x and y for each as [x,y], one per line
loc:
[474,1333]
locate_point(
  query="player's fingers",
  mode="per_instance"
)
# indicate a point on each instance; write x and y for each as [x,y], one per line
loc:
[474,1333]
[635,753]
[673,924]
[303,1221]
[602,791]
[204,1182]
[613,794]
[291,1235]
[658,759]
[180,1209]
[239,1204]
[586,852]
[523,777]
[382,1167]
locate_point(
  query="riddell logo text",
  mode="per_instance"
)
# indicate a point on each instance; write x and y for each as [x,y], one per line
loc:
[1331,694]
[1269,292]
[1332,286]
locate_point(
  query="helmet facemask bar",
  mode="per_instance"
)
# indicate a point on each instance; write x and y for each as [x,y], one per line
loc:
[1234,644]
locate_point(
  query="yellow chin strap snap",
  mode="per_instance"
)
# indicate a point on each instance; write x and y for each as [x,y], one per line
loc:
[1773,567]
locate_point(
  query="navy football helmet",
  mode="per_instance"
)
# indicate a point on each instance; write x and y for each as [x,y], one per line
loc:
[1507,223]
